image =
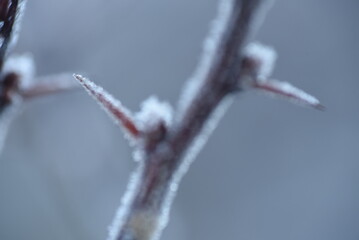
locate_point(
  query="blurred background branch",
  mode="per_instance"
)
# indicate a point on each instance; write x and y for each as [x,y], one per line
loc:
[17,73]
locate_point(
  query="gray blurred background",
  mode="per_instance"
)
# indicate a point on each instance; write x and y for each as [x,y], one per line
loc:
[270,171]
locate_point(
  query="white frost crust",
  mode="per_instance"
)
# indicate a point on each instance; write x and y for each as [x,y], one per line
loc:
[265,57]
[209,50]
[23,65]
[120,217]
[154,111]
[61,81]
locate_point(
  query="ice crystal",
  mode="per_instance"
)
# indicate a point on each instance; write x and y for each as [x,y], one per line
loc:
[152,112]
[264,58]
[22,65]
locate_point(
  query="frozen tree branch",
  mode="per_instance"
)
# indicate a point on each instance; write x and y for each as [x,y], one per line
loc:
[165,147]
[17,72]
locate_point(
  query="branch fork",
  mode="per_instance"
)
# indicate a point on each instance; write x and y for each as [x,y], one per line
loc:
[147,127]
[152,129]
[168,146]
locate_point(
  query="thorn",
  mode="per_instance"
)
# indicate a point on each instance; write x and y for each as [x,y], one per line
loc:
[284,89]
[111,105]
[49,85]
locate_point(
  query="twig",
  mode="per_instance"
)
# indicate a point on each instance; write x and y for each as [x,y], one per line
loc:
[165,165]
[17,73]
[145,207]
[166,148]
[48,85]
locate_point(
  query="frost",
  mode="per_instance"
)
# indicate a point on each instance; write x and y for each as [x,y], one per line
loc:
[23,65]
[152,112]
[119,113]
[61,81]
[263,56]
[123,210]
[49,84]
[284,89]
[209,51]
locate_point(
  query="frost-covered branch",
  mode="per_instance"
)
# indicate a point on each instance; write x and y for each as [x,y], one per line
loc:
[17,72]
[164,148]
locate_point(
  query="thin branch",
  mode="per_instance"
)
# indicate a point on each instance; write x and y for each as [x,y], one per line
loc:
[222,76]
[227,66]
[17,72]
[49,85]
[17,84]
[145,208]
